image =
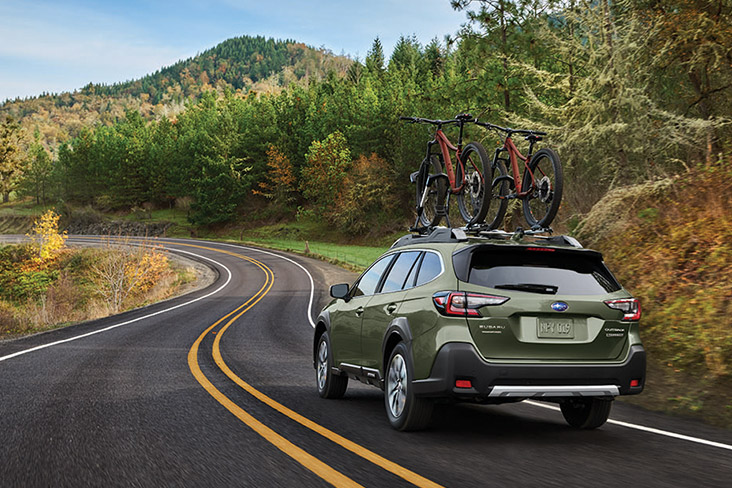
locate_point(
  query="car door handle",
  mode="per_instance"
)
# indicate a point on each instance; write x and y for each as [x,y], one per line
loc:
[359,311]
[391,307]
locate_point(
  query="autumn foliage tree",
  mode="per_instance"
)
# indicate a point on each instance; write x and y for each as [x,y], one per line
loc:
[46,237]
[279,181]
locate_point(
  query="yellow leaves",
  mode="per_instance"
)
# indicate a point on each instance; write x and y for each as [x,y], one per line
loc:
[46,237]
[146,272]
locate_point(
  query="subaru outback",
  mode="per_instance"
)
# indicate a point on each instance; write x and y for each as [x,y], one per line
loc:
[489,319]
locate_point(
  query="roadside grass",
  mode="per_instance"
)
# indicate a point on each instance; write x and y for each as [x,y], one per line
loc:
[355,258]
[314,238]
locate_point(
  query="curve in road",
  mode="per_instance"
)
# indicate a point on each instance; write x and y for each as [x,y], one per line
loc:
[122,407]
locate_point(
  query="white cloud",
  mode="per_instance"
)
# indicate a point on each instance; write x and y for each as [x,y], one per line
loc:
[85,45]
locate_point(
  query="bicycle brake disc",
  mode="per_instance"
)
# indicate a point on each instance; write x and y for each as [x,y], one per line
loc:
[544,189]
[474,183]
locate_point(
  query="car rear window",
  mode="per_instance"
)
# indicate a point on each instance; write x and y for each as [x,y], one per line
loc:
[430,268]
[536,270]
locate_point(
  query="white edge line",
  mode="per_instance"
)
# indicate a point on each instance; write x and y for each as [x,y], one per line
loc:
[310,277]
[647,429]
[50,344]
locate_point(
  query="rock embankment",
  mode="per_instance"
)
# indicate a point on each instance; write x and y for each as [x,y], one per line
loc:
[118,228]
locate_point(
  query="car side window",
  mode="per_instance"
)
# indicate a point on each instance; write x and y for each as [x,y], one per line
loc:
[409,282]
[430,268]
[370,279]
[397,275]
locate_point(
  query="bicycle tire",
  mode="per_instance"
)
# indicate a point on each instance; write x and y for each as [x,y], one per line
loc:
[497,206]
[471,199]
[541,205]
[437,193]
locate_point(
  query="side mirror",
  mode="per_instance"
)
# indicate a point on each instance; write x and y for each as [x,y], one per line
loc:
[339,291]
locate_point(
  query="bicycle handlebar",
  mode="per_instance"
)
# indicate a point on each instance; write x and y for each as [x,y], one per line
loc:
[463,118]
[510,131]
[419,120]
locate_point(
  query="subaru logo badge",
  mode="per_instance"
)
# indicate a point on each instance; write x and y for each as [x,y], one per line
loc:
[559,306]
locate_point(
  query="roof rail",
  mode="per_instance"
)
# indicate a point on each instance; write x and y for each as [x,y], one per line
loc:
[459,234]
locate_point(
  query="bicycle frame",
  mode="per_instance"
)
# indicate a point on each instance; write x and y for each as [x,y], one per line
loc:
[514,155]
[445,147]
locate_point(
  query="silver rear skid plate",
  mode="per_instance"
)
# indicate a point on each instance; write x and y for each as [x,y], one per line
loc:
[554,391]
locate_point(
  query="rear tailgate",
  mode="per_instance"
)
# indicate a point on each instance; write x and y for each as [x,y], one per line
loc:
[556,306]
[528,328]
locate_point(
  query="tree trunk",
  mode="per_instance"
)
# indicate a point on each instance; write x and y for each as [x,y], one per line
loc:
[504,48]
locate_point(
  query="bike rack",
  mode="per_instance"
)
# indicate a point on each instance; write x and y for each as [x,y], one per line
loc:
[483,232]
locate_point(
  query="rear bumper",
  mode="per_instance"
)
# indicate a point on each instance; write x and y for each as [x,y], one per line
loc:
[460,361]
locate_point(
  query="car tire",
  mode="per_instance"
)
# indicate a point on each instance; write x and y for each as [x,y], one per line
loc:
[586,413]
[405,411]
[329,385]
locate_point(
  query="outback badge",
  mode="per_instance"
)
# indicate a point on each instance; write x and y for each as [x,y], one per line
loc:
[559,306]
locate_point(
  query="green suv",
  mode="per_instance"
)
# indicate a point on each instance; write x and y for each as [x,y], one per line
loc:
[490,318]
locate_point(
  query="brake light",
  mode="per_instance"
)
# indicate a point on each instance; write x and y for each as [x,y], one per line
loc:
[460,304]
[630,307]
[544,249]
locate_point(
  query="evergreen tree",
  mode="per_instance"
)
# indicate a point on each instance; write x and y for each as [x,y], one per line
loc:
[39,168]
[375,58]
[12,162]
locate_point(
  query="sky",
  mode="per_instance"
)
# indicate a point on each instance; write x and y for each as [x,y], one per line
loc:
[48,46]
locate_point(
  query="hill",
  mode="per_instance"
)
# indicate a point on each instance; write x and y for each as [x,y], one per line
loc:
[670,242]
[243,65]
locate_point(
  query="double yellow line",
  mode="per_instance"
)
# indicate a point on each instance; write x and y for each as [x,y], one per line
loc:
[310,462]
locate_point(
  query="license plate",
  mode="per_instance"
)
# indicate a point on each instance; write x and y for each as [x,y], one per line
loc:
[555,329]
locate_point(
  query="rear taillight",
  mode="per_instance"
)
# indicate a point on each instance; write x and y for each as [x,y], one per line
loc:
[630,307]
[462,304]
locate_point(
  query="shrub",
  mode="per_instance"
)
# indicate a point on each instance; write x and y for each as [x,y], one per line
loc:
[123,271]
[677,258]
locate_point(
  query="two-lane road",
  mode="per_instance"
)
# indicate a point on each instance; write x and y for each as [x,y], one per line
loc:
[216,388]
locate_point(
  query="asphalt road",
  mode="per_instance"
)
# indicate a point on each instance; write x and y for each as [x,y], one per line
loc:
[217,388]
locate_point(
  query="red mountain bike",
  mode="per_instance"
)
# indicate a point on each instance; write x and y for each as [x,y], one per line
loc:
[540,189]
[466,179]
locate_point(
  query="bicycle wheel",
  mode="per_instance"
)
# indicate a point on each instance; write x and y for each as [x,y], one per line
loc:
[472,199]
[542,202]
[497,206]
[435,194]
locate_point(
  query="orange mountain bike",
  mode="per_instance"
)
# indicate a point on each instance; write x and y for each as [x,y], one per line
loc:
[438,179]
[540,189]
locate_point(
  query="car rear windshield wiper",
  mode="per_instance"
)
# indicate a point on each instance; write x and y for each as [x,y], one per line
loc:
[530,287]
